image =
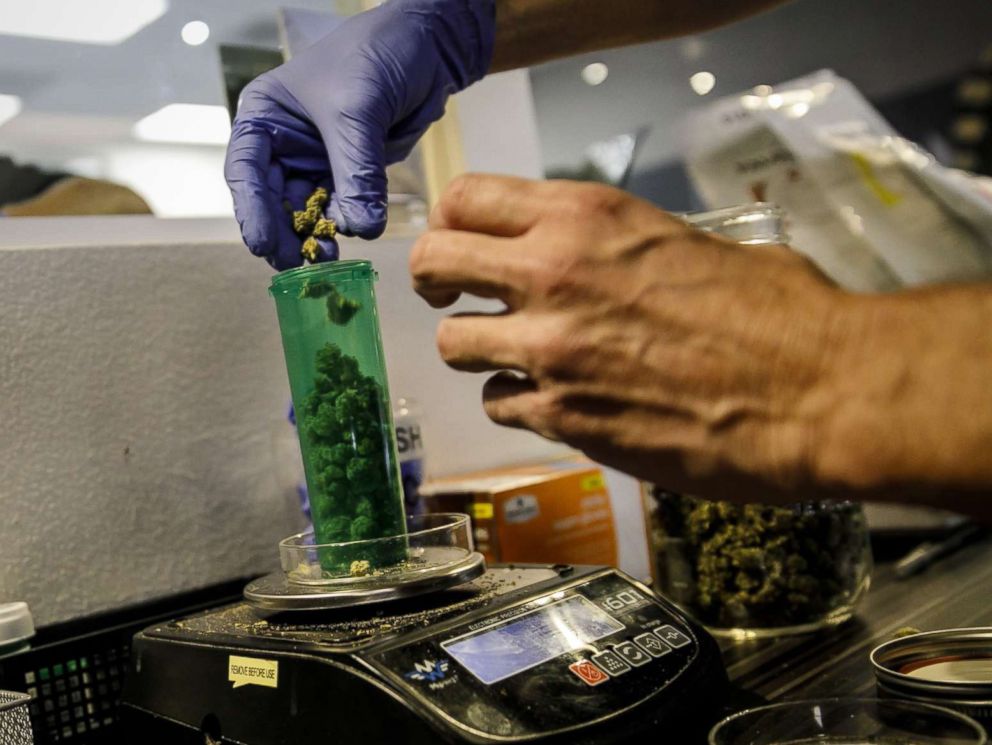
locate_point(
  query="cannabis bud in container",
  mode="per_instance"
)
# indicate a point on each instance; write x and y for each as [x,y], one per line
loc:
[337,377]
[757,570]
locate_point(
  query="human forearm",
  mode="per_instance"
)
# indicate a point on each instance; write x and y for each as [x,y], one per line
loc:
[908,406]
[533,31]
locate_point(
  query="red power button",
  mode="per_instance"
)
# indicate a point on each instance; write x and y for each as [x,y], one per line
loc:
[590,674]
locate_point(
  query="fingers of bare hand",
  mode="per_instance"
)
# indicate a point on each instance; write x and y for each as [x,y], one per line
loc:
[480,343]
[496,205]
[559,413]
[515,401]
[444,263]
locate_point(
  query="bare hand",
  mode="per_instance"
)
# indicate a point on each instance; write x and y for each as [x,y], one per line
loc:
[666,352]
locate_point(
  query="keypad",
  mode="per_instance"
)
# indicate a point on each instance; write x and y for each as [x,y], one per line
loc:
[74,697]
[610,662]
[632,654]
[672,636]
[625,655]
[652,645]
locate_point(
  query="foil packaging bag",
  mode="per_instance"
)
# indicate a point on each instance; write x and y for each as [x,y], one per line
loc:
[873,210]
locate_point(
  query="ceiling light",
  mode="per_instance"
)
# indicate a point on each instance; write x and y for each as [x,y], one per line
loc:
[195,33]
[10,106]
[702,82]
[190,123]
[90,22]
[595,73]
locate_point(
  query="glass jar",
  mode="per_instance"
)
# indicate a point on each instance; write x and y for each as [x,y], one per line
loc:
[757,570]
[755,224]
[847,722]
[337,377]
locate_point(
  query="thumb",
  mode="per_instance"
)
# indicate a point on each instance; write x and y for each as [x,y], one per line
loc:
[356,149]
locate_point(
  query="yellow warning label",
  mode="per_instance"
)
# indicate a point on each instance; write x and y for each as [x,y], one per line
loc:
[593,483]
[482,510]
[885,195]
[249,671]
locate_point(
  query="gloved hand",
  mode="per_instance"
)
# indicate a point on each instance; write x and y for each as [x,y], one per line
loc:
[340,111]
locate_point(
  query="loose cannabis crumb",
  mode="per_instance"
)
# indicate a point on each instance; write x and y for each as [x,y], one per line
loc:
[755,565]
[905,631]
[360,568]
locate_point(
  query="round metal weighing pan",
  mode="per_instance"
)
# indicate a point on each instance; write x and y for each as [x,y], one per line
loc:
[895,660]
[277,593]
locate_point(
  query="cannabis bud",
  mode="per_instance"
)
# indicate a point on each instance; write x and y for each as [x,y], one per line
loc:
[310,224]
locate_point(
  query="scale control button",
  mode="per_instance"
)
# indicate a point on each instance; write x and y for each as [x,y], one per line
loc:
[588,672]
[652,645]
[673,636]
[611,663]
[632,653]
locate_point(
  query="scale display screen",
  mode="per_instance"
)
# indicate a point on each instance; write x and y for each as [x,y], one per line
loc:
[528,640]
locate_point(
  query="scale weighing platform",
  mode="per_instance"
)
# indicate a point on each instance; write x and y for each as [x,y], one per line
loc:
[517,654]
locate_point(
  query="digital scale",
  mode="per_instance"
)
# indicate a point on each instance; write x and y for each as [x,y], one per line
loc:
[509,654]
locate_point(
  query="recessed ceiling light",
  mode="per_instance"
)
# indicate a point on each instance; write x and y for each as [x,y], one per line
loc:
[10,106]
[194,124]
[702,82]
[195,33]
[595,73]
[90,22]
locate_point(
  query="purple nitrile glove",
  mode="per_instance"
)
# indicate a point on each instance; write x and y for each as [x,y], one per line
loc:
[342,110]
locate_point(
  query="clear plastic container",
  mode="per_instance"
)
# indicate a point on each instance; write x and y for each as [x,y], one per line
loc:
[408,416]
[337,378]
[755,570]
[16,627]
[433,543]
[848,722]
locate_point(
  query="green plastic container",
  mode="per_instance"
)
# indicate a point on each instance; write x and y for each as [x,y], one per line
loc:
[337,377]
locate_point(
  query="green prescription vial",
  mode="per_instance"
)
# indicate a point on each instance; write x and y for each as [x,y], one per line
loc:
[337,377]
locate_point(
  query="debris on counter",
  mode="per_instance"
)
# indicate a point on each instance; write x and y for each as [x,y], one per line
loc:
[905,631]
